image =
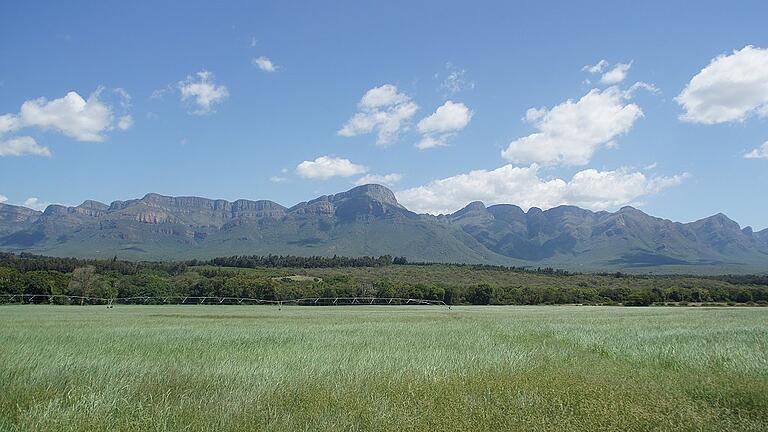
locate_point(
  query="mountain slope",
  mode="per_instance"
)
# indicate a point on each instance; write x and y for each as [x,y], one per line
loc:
[16,218]
[368,220]
[568,236]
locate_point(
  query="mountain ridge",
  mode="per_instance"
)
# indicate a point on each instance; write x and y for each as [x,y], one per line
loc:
[368,220]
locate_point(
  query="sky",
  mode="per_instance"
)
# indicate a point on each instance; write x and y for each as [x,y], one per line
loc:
[658,104]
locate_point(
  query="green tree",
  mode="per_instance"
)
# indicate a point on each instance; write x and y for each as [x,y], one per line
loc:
[481,295]
[84,282]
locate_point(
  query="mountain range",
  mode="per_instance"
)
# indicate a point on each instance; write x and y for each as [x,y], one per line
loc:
[368,220]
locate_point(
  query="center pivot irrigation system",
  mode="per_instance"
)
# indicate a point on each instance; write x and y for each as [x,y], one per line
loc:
[193,300]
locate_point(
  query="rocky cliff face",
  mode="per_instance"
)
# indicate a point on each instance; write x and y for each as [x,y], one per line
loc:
[156,209]
[14,218]
[360,202]
[368,220]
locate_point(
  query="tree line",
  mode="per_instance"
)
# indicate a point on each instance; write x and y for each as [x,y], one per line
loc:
[29,262]
[230,277]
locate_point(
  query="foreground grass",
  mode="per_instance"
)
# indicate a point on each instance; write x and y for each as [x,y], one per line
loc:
[156,368]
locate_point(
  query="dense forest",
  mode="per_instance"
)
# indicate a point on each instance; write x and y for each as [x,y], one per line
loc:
[289,277]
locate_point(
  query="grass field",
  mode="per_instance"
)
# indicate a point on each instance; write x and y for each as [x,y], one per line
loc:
[157,368]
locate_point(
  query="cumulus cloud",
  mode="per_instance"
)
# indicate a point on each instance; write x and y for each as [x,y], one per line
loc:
[758,153]
[3,198]
[455,80]
[447,120]
[264,64]
[383,109]
[72,115]
[325,167]
[81,119]
[35,204]
[731,88]
[524,186]
[22,146]
[449,117]
[571,132]
[202,92]
[383,179]
[609,75]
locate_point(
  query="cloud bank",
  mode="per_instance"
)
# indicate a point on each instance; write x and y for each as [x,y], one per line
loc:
[524,186]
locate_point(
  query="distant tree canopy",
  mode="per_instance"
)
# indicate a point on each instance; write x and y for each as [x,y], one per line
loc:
[281,261]
[269,278]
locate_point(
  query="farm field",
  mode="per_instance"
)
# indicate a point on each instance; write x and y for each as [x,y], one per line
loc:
[246,368]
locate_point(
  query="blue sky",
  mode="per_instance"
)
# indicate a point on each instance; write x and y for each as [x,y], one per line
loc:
[288,101]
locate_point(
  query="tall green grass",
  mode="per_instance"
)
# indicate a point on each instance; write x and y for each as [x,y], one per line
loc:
[158,368]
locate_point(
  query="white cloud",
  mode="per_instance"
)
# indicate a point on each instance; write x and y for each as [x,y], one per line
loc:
[22,146]
[326,167]
[758,153]
[729,89]
[570,133]
[3,198]
[428,142]
[617,74]
[448,119]
[384,109]
[8,123]
[597,67]
[202,91]
[611,76]
[456,80]
[385,179]
[642,86]
[71,115]
[34,204]
[125,122]
[523,186]
[383,96]
[278,179]
[264,64]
